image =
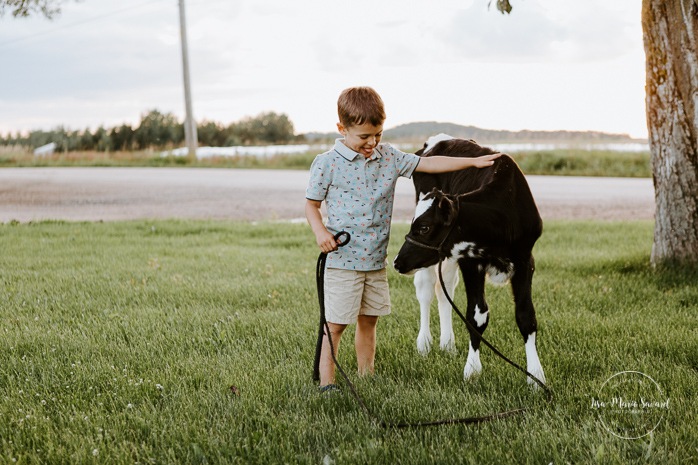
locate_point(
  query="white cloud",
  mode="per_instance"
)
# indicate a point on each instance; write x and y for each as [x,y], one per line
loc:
[551,64]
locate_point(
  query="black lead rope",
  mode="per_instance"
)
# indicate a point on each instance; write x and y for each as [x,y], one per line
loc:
[325,329]
[320,282]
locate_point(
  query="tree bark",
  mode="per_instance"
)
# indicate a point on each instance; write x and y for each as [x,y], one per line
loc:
[670,37]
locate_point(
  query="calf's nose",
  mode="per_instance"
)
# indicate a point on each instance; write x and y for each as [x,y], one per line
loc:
[397,263]
[401,267]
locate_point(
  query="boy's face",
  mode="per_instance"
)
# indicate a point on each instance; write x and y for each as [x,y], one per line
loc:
[361,138]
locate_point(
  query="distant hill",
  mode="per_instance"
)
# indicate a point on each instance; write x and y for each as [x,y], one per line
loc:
[421,131]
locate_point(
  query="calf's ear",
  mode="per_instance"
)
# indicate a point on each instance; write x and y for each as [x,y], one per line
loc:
[447,207]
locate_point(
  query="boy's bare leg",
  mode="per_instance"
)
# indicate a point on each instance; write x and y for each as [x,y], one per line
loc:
[366,343]
[326,362]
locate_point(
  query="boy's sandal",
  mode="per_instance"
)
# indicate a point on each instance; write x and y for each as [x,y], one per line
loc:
[328,388]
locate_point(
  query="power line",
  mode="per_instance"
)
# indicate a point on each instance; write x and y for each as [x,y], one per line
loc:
[78,23]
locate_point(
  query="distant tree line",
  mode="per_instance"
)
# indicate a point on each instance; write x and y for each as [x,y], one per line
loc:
[158,131]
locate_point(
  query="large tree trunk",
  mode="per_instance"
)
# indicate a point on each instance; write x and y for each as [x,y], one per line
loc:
[670,35]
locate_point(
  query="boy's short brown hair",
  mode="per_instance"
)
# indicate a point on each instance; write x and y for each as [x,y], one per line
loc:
[359,105]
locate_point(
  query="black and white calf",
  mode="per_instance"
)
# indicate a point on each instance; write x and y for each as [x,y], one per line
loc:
[485,222]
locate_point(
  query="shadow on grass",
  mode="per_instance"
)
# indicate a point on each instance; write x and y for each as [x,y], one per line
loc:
[673,275]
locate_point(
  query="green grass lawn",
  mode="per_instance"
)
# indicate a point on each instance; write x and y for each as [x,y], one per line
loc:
[121,342]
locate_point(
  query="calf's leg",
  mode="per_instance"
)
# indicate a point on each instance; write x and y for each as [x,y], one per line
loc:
[526,315]
[477,314]
[424,281]
[449,272]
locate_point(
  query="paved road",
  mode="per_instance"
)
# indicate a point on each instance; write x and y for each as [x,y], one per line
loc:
[92,194]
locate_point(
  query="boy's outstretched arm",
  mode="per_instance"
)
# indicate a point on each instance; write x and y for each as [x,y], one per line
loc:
[324,238]
[441,164]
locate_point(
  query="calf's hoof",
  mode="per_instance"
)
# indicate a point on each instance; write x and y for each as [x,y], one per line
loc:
[449,344]
[473,367]
[424,343]
[538,373]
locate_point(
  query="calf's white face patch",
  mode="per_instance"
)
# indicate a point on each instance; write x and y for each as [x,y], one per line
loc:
[422,207]
[433,140]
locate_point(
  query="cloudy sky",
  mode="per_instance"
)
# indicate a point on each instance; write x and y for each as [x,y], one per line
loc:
[551,64]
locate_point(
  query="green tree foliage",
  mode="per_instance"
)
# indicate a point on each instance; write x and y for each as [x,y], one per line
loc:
[502,5]
[268,127]
[24,8]
[158,130]
[122,138]
[161,131]
[212,134]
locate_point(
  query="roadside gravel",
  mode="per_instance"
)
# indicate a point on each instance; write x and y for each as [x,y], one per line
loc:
[110,194]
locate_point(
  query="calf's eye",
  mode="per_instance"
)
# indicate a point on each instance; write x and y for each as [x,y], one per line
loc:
[424,230]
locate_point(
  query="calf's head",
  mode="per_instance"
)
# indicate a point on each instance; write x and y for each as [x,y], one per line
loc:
[428,238]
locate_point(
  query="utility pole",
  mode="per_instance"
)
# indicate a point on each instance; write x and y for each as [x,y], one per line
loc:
[190,134]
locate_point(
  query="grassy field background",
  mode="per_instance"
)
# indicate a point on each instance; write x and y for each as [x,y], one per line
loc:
[560,162]
[192,342]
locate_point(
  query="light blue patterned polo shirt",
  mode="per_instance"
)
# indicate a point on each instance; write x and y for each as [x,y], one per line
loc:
[359,194]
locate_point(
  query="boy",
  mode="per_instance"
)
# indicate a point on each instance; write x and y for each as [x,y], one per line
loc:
[356,179]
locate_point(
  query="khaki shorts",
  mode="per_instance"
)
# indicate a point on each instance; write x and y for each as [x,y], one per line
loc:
[350,293]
